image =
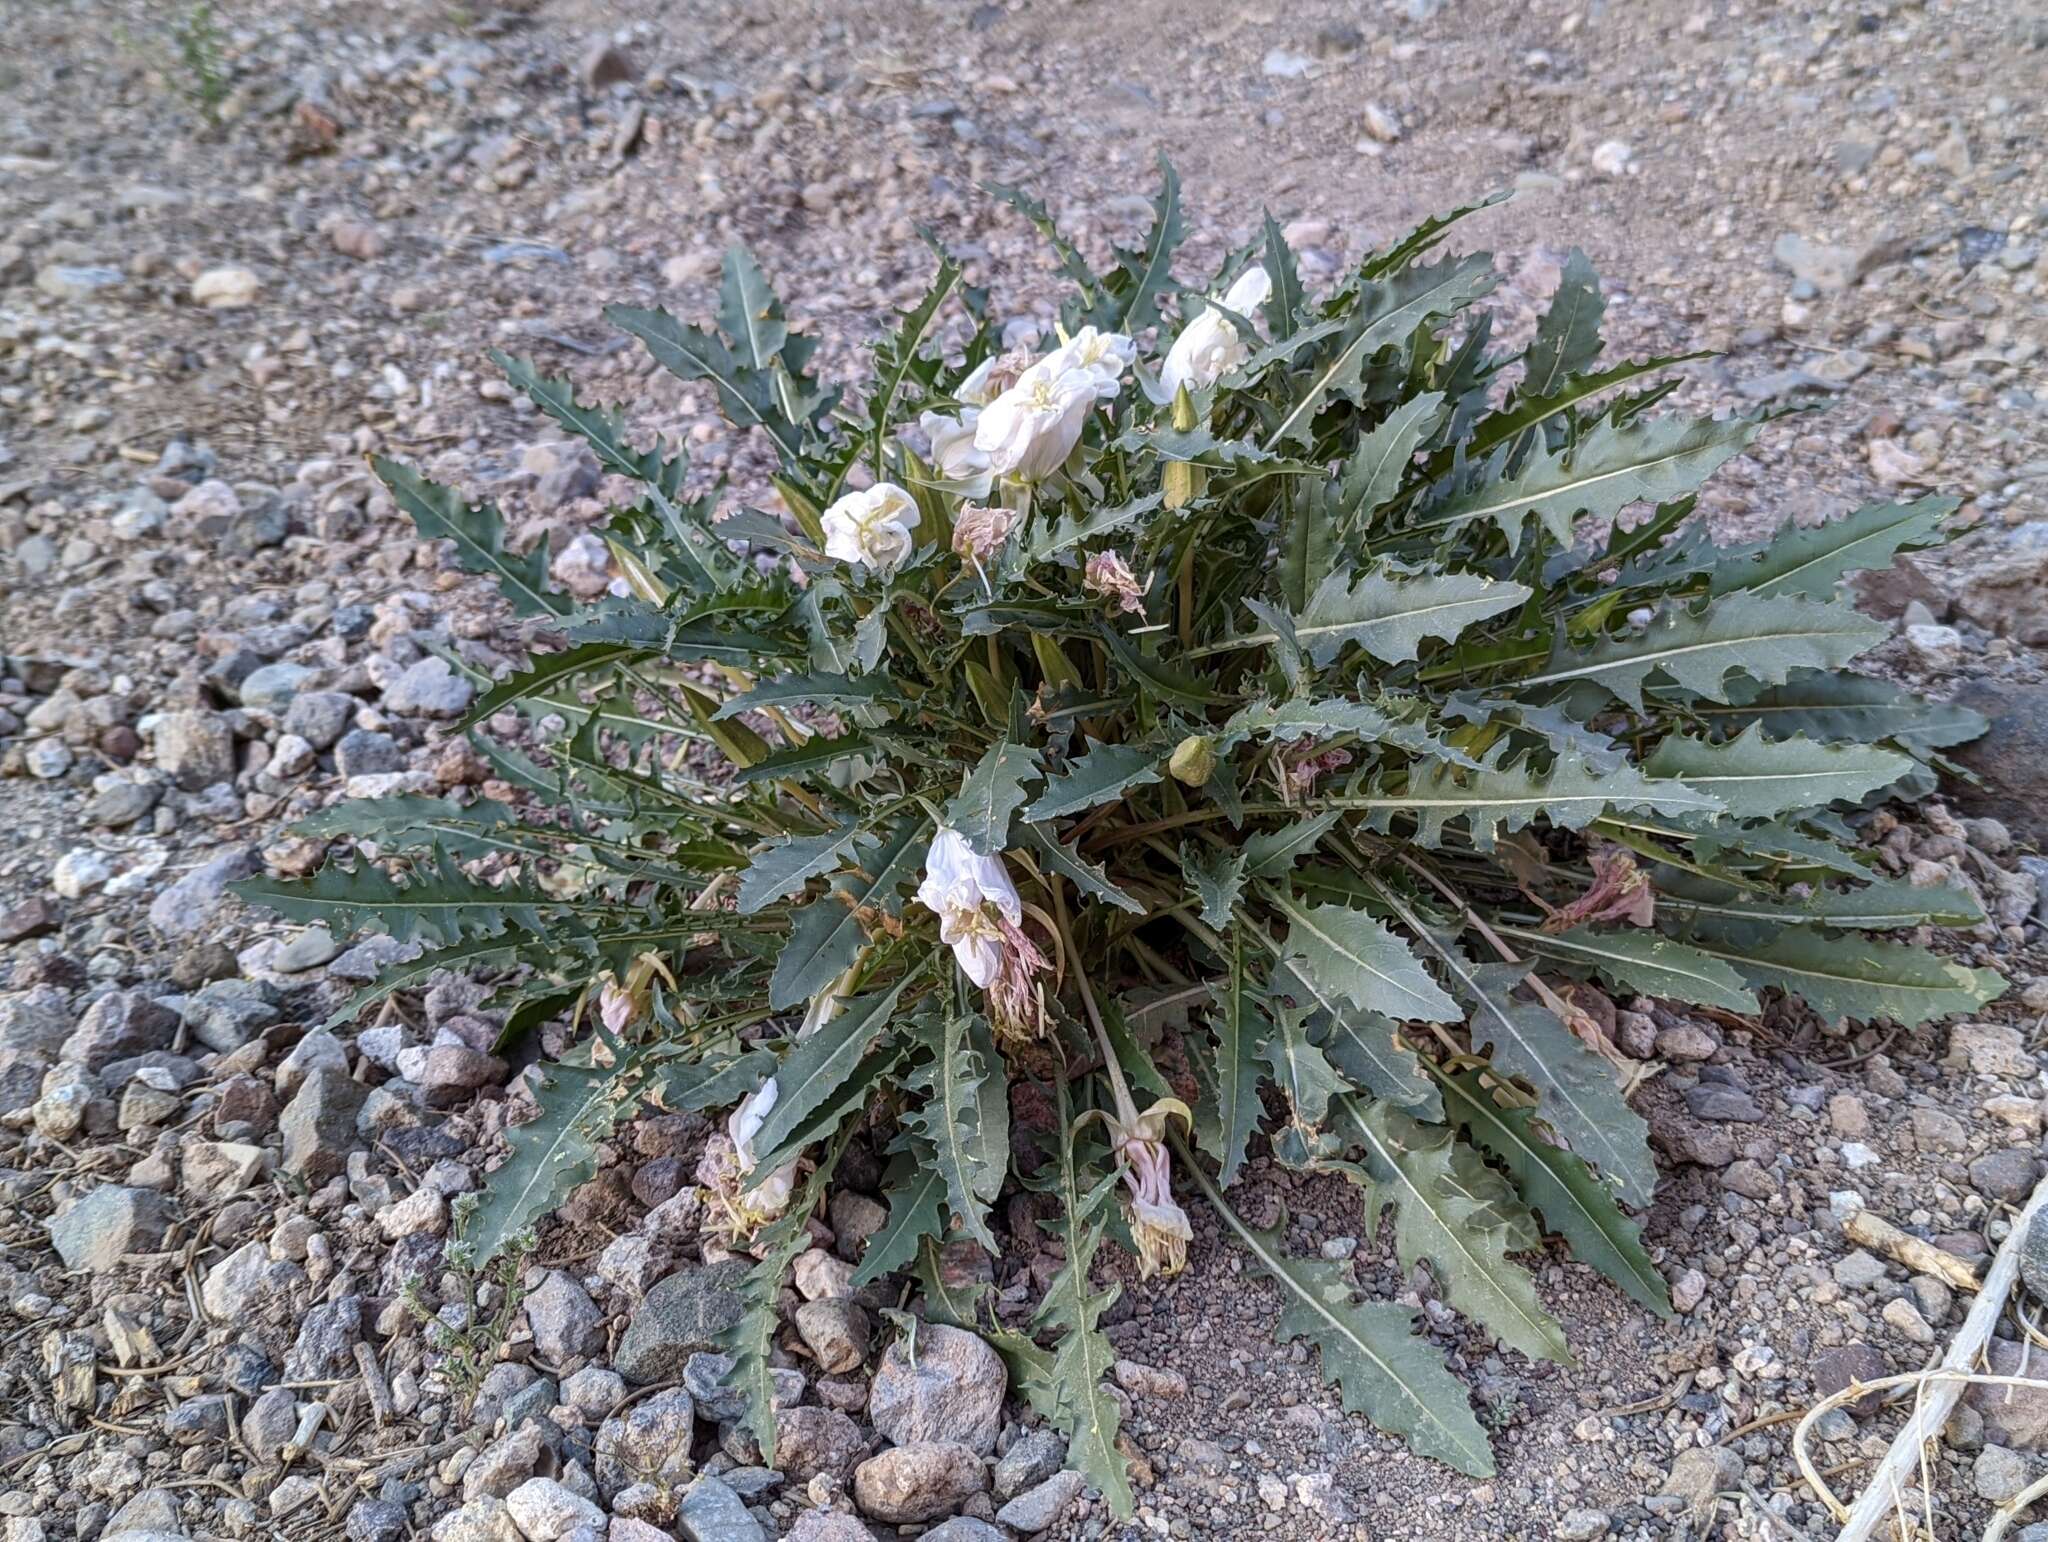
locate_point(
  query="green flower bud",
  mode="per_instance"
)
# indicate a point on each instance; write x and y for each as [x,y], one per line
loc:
[1193,761]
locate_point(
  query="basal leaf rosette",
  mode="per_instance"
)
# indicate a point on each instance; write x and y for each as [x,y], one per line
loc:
[1240,688]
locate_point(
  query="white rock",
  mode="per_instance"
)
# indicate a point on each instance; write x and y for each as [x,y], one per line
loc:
[545,1511]
[1934,646]
[79,871]
[1380,124]
[423,1210]
[222,289]
[1613,158]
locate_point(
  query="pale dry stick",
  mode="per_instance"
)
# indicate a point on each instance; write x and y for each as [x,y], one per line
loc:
[1869,1229]
[2003,1517]
[1948,1379]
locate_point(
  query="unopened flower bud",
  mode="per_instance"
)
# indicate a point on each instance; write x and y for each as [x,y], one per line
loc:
[1183,480]
[1193,761]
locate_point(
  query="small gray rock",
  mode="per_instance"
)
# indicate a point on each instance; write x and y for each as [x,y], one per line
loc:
[118,1026]
[689,1311]
[106,1225]
[1037,1508]
[190,904]
[964,1528]
[565,1321]
[954,1391]
[195,749]
[429,689]
[922,1481]
[809,1441]
[270,1423]
[648,1443]
[363,752]
[836,1333]
[319,1125]
[711,1512]
[376,1520]
[226,1014]
[320,717]
[1999,1473]
[326,1345]
[1032,1458]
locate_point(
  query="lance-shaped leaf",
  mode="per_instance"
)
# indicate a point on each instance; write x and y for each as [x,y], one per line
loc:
[1086,876]
[993,791]
[748,396]
[1351,956]
[1229,1108]
[439,902]
[818,1067]
[1327,717]
[1504,796]
[1560,1187]
[1649,460]
[1374,472]
[915,1188]
[963,1097]
[1757,777]
[1144,275]
[1813,561]
[786,865]
[1462,1237]
[478,533]
[1074,530]
[1389,612]
[1568,336]
[1393,310]
[1843,976]
[1083,1357]
[827,934]
[835,693]
[1102,775]
[1764,639]
[1284,305]
[1882,905]
[751,1338]
[1582,1097]
[1215,876]
[1846,707]
[1641,961]
[550,1154]
[1272,853]
[896,353]
[1379,1366]
[1307,1081]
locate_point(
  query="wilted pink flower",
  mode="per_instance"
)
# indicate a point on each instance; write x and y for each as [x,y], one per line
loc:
[1620,891]
[1158,1225]
[1013,998]
[1298,775]
[979,531]
[1110,576]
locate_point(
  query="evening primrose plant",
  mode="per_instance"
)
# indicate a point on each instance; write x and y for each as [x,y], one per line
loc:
[1244,718]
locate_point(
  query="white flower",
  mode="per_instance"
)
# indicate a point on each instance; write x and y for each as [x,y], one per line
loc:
[1030,429]
[977,390]
[1103,356]
[1208,347]
[770,1197]
[872,526]
[954,455]
[959,887]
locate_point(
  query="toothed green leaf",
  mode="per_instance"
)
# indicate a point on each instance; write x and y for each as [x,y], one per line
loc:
[1813,561]
[1848,976]
[1379,1367]
[1641,961]
[1390,614]
[478,533]
[993,791]
[1354,957]
[1103,774]
[1216,878]
[1229,1109]
[1561,1188]
[1747,634]
[1755,777]
[1500,798]
[964,1117]
[1408,1167]
[1651,460]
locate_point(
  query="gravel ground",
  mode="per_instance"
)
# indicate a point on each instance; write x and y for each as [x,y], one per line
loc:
[215,623]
